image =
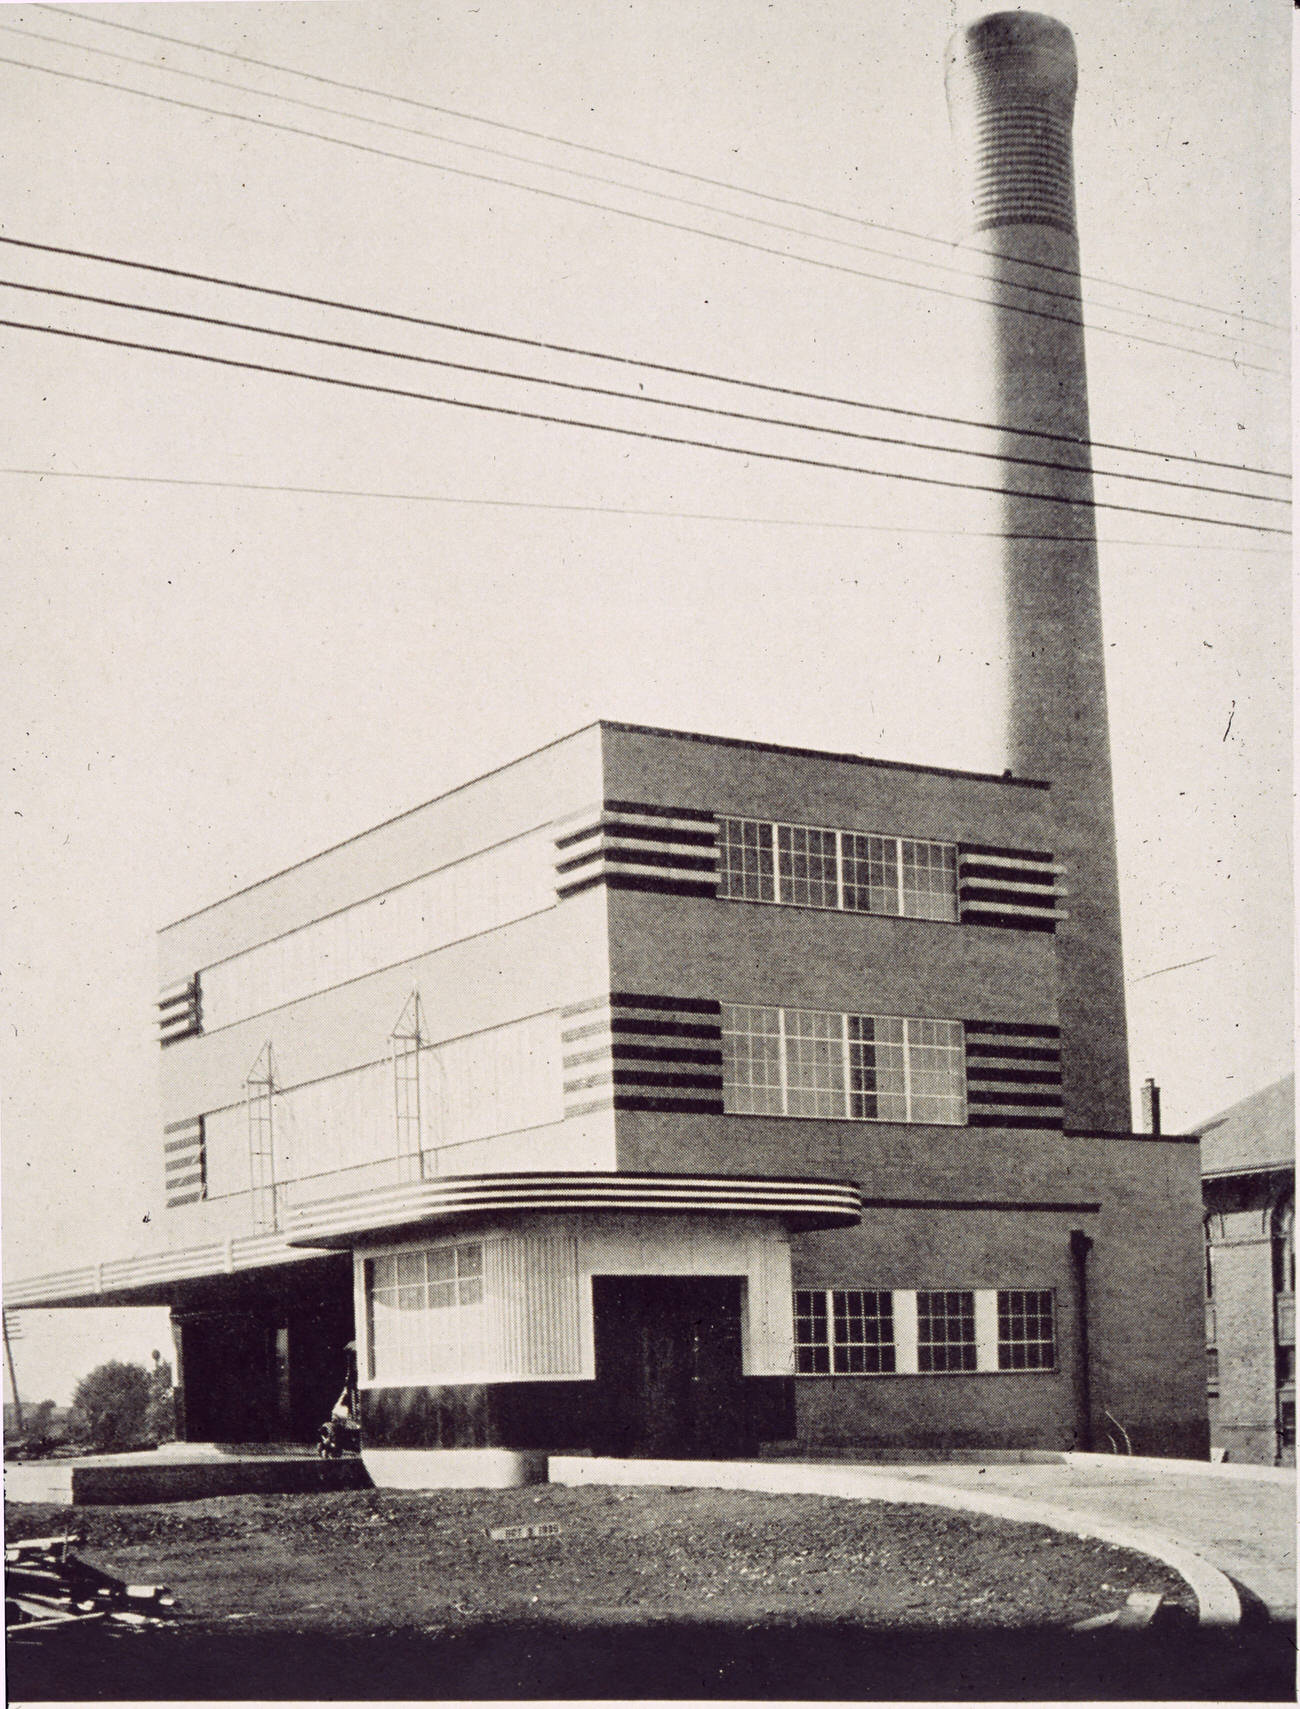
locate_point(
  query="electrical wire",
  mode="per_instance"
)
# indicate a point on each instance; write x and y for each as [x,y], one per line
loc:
[625,213]
[1067,296]
[628,397]
[624,510]
[627,361]
[634,432]
[637,160]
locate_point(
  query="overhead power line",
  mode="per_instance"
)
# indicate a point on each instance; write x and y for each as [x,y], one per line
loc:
[623,510]
[461,329]
[1068,296]
[633,432]
[639,398]
[624,213]
[637,160]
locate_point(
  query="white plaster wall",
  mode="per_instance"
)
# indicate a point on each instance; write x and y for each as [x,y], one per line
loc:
[537,1320]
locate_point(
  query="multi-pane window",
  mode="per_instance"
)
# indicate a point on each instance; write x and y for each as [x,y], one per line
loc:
[843,1332]
[747,864]
[945,1330]
[753,1062]
[810,867]
[807,866]
[1026,1333]
[813,1062]
[425,1311]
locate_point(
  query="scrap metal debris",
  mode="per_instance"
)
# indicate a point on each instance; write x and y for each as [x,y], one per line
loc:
[46,1586]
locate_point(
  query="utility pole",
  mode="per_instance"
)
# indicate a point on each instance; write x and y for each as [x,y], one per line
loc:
[14,1333]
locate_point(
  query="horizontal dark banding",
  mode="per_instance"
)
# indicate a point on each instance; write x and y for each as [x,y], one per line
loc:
[666,1053]
[668,1106]
[1085,1207]
[649,1077]
[990,872]
[1022,1053]
[1025,219]
[172,1146]
[976,1118]
[175,1038]
[665,1029]
[984,1073]
[657,835]
[1006,854]
[984,1097]
[687,1005]
[565,890]
[646,810]
[654,856]
[1009,922]
[660,857]
[1013,1029]
[661,886]
[990,896]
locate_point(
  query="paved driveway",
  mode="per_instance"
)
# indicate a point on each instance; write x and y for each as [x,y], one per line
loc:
[1245,1526]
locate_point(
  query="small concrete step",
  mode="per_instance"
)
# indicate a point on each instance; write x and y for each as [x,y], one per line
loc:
[107,1480]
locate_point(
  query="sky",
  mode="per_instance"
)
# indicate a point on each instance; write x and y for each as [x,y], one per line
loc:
[203,683]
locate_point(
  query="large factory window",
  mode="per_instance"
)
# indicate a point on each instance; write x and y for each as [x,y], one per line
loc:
[819,1063]
[808,867]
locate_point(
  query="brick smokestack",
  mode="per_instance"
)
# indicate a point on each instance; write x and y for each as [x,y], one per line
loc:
[1011,79]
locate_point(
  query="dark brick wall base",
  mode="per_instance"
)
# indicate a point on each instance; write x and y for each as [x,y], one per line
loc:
[562,1415]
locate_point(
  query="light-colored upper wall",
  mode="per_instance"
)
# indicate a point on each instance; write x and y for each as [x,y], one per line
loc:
[530,792]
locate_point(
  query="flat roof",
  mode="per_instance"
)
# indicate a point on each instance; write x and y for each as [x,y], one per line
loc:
[633,730]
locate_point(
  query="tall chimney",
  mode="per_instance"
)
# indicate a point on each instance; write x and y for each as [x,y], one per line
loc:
[1011,79]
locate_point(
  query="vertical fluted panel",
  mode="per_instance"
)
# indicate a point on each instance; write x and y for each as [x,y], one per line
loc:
[532,1281]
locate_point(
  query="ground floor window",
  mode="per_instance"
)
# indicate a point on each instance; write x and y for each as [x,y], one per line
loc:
[843,1331]
[425,1311]
[929,1331]
[1026,1331]
[945,1330]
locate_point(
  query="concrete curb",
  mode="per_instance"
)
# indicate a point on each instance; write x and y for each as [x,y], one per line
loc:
[1217,1602]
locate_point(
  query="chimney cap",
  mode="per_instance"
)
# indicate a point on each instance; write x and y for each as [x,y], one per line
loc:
[1023,53]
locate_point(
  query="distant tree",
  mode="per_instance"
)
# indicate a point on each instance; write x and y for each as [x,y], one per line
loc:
[110,1403]
[40,1421]
[160,1414]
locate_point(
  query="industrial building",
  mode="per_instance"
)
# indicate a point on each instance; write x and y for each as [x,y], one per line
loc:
[664,1093]
[1248,1175]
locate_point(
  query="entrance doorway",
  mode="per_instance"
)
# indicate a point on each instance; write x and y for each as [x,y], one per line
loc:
[668,1365]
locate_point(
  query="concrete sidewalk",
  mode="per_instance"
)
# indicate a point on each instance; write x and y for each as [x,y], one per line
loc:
[1245,1525]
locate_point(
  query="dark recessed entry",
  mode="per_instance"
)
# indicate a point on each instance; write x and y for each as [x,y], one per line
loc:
[668,1366]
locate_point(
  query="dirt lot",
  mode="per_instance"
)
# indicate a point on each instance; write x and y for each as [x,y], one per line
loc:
[643,1593]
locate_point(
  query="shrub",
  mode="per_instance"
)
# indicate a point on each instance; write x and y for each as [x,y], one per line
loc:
[110,1405]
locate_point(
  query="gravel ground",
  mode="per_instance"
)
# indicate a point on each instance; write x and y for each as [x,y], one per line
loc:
[382,1595]
[333,1561]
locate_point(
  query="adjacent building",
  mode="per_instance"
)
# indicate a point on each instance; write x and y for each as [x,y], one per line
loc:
[1248,1175]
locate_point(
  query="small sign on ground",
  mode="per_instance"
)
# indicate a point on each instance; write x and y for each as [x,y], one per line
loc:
[513,1533]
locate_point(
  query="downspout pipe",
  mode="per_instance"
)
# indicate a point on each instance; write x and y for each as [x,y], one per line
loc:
[1080,1247]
